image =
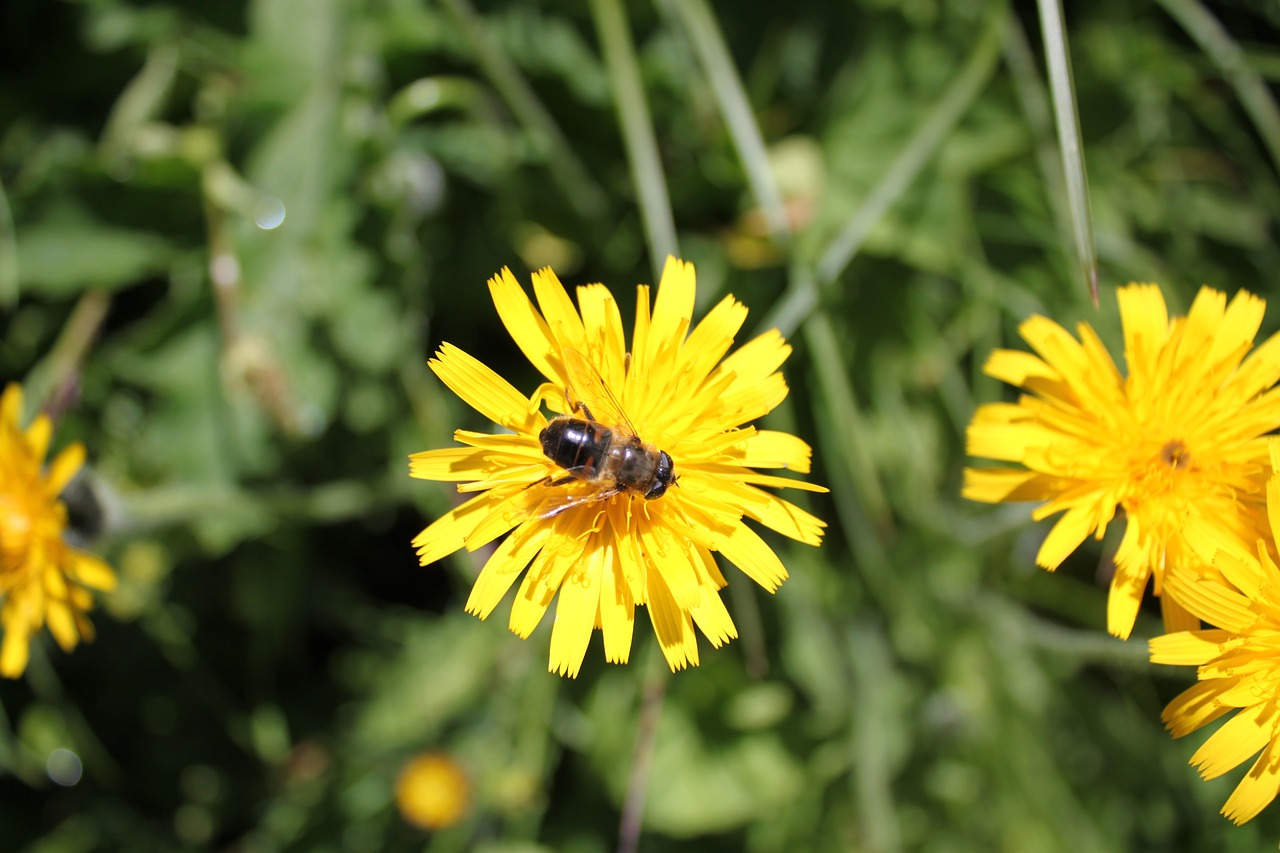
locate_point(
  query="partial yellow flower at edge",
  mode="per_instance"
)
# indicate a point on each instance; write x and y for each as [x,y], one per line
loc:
[602,558]
[1238,664]
[42,579]
[1178,445]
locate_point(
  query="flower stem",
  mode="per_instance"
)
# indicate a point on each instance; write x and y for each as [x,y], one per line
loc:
[1062,90]
[700,24]
[655,694]
[637,130]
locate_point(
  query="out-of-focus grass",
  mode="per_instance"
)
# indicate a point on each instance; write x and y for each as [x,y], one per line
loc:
[274,653]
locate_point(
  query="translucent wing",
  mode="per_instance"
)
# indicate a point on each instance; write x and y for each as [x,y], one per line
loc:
[589,388]
[565,501]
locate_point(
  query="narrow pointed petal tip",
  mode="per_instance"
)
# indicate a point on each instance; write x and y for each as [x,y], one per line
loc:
[582,540]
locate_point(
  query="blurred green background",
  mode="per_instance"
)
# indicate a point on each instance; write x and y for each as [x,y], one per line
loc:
[249,387]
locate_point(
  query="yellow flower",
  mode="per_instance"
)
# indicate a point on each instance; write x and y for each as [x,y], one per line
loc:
[1178,444]
[604,554]
[432,791]
[1238,664]
[42,579]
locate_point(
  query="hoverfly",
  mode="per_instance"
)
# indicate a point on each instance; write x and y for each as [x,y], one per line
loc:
[606,453]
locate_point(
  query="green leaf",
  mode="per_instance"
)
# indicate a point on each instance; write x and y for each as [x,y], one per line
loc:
[65,257]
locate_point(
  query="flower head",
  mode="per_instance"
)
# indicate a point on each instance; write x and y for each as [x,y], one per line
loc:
[42,579]
[1238,664]
[432,791]
[1177,445]
[577,531]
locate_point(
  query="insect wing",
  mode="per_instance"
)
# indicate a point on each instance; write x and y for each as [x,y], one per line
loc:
[565,501]
[586,383]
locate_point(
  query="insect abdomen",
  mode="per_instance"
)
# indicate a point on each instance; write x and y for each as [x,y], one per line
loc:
[577,446]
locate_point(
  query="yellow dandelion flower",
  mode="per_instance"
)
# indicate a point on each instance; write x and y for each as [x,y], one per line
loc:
[577,529]
[432,791]
[1238,665]
[42,579]
[1178,445]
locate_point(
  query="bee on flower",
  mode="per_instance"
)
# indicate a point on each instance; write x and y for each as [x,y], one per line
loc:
[43,580]
[645,468]
[1176,446]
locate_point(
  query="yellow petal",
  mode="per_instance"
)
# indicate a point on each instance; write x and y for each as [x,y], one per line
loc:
[557,558]
[1230,334]
[768,448]
[577,604]
[1123,600]
[1194,707]
[1211,600]
[1260,370]
[673,311]
[710,340]
[525,325]
[787,518]
[753,556]
[672,626]
[505,564]
[1026,370]
[11,413]
[1257,789]
[1237,740]
[1188,648]
[1067,534]
[617,608]
[453,464]
[1176,617]
[61,624]
[92,572]
[485,391]
[64,468]
[1145,320]
[562,318]
[997,485]
[605,338]
[711,616]
[755,360]
[15,650]
[448,532]
[38,435]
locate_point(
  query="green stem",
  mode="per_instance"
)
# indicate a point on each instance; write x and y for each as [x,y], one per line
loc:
[731,95]
[1071,148]
[1251,89]
[637,130]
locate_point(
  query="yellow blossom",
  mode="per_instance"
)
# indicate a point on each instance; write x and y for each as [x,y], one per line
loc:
[42,579]
[1238,664]
[432,791]
[602,552]
[1178,444]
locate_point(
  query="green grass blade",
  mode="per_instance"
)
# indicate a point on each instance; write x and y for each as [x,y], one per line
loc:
[1064,109]
[924,143]
[731,96]
[1214,40]
[637,129]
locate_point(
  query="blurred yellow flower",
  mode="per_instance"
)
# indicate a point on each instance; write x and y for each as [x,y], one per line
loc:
[1238,665]
[432,791]
[602,547]
[1178,444]
[42,579]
